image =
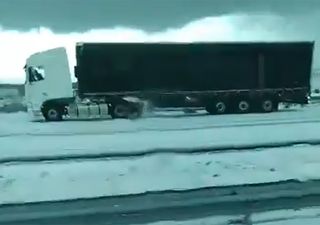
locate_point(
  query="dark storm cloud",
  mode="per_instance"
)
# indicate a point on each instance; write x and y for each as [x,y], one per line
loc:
[81,15]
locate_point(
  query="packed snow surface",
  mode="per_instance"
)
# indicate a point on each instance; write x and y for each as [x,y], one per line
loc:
[106,177]
[69,179]
[306,216]
[20,138]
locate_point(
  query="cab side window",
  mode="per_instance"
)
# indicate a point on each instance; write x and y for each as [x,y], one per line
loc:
[36,73]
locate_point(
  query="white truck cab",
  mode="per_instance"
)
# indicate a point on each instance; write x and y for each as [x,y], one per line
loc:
[49,91]
[47,77]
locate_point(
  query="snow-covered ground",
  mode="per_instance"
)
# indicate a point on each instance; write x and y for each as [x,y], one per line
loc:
[90,178]
[18,123]
[21,138]
[216,220]
[310,216]
[131,143]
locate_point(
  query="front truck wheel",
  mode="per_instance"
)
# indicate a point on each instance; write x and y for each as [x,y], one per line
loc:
[52,113]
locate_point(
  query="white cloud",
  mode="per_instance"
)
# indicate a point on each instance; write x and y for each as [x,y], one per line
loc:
[16,46]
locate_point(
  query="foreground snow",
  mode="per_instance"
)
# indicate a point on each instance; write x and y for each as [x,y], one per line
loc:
[80,179]
[77,179]
[310,216]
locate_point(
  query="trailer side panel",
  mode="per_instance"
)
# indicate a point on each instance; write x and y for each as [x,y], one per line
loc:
[123,67]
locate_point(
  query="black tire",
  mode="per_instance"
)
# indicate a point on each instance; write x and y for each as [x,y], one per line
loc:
[268,105]
[126,111]
[53,113]
[136,111]
[120,111]
[243,106]
[219,107]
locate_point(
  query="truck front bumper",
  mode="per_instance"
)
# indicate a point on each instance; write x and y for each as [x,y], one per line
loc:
[35,114]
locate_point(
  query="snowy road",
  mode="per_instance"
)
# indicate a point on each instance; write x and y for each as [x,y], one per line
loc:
[136,173]
[25,139]
[159,172]
[286,202]
[16,124]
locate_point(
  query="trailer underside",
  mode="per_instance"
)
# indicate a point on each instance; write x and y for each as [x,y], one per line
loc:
[134,104]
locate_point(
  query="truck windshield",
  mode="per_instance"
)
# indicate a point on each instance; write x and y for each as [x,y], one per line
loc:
[35,73]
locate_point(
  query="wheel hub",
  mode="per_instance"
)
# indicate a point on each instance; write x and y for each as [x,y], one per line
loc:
[220,106]
[267,105]
[52,113]
[243,105]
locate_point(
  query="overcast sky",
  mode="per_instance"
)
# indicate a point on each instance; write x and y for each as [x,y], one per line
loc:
[27,26]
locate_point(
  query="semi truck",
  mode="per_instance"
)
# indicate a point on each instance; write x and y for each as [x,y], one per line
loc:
[119,80]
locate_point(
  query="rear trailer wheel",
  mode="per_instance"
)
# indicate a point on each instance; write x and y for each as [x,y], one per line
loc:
[243,106]
[267,105]
[218,107]
[52,113]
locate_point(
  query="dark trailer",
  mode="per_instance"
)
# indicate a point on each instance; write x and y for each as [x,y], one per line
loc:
[219,76]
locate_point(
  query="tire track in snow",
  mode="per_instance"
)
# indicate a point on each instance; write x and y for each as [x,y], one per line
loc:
[140,130]
[128,154]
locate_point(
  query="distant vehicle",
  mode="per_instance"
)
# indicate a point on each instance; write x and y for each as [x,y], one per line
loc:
[116,79]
